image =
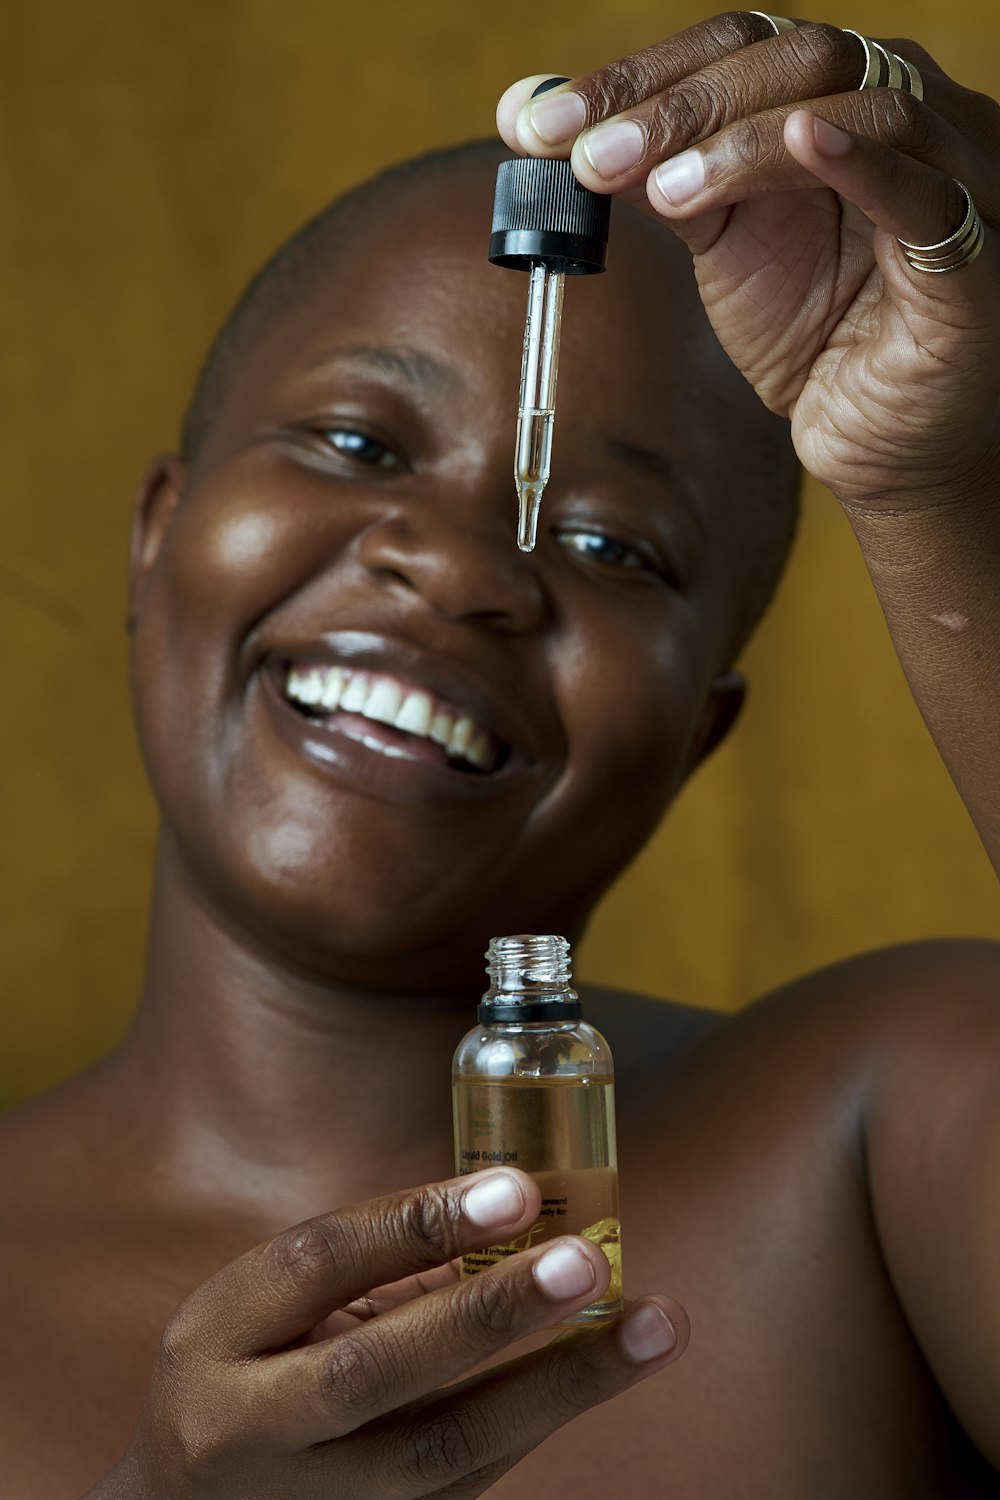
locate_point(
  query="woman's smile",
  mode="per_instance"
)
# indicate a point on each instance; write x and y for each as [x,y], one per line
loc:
[397,721]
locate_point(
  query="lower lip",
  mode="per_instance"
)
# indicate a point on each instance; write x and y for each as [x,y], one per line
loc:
[392,777]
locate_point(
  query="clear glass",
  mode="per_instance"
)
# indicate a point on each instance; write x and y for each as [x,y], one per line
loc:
[539,1095]
[536,407]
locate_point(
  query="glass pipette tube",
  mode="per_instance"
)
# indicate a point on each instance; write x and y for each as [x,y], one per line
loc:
[536,407]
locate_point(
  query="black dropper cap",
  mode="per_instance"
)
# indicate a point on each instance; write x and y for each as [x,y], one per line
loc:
[541,213]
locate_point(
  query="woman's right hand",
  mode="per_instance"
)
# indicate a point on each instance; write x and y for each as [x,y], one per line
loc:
[286,1374]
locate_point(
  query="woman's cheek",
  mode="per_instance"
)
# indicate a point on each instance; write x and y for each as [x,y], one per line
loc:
[230,545]
[629,713]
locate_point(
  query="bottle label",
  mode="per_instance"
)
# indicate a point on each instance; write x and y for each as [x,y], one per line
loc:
[562,1132]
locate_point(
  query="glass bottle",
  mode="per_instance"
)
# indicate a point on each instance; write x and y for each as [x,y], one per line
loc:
[533,1087]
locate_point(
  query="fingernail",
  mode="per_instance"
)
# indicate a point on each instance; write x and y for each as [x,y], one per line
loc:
[682,177]
[613,149]
[647,1334]
[495,1198]
[564,1272]
[830,139]
[557,117]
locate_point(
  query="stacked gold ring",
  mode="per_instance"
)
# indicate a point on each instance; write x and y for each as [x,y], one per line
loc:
[778,24]
[885,70]
[951,254]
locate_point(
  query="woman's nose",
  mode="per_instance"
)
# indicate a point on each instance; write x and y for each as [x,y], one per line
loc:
[464,566]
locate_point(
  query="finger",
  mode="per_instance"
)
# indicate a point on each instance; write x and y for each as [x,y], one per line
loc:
[513,100]
[544,126]
[496,1418]
[903,197]
[278,1291]
[326,1391]
[751,157]
[613,152]
[809,62]
[381,1299]
[397,1293]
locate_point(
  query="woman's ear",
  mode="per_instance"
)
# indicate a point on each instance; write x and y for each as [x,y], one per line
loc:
[721,709]
[156,503]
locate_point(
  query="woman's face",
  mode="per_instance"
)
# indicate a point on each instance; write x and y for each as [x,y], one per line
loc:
[343,555]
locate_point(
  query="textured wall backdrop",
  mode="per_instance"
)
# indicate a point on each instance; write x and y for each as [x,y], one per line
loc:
[151,154]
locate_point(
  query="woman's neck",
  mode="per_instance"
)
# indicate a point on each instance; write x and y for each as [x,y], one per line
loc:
[248,1083]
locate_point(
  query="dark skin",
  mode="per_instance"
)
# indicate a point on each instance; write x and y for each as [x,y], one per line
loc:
[813,1181]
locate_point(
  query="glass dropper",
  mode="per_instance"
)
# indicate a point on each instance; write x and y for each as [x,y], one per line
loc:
[536,407]
[544,222]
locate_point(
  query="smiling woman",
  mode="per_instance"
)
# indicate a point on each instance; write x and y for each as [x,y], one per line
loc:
[99,212]
[378,734]
[385,562]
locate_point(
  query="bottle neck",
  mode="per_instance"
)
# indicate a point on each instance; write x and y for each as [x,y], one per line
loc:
[529,981]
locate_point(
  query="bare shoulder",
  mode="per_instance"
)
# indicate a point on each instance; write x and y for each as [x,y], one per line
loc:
[891,1035]
[949,983]
[887,1013]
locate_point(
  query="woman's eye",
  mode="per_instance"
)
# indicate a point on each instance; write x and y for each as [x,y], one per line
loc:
[358,445]
[598,547]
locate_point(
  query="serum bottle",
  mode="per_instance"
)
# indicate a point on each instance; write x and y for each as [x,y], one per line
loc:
[533,1087]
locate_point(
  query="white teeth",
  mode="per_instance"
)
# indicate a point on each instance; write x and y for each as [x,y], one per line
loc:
[352,699]
[480,752]
[334,687]
[461,736]
[311,690]
[415,714]
[391,702]
[441,728]
[383,702]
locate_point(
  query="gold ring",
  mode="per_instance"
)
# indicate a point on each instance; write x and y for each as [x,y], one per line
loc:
[779,23]
[885,69]
[892,74]
[912,81]
[952,254]
[872,75]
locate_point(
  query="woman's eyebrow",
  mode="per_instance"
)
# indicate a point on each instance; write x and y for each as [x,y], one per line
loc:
[417,369]
[658,466]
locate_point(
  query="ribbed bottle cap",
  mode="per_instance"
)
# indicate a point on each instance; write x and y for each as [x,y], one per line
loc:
[542,213]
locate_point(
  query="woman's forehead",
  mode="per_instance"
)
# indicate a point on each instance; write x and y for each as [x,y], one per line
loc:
[411,275]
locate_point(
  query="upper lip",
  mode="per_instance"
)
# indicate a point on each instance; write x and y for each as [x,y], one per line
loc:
[439,675]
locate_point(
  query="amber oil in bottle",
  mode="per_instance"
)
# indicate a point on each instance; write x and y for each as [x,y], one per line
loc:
[533,1087]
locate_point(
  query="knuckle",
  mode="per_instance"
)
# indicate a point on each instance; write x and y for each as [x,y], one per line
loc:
[731,30]
[355,1380]
[204,1443]
[817,47]
[620,86]
[429,1223]
[576,1377]
[911,124]
[690,111]
[301,1254]
[492,1303]
[751,146]
[202,1435]
[178,1342]
[445,1448]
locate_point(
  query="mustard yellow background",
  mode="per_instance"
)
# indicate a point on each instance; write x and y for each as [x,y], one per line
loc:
[152,154]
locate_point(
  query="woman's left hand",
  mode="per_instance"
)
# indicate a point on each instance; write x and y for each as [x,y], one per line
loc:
[890,375]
